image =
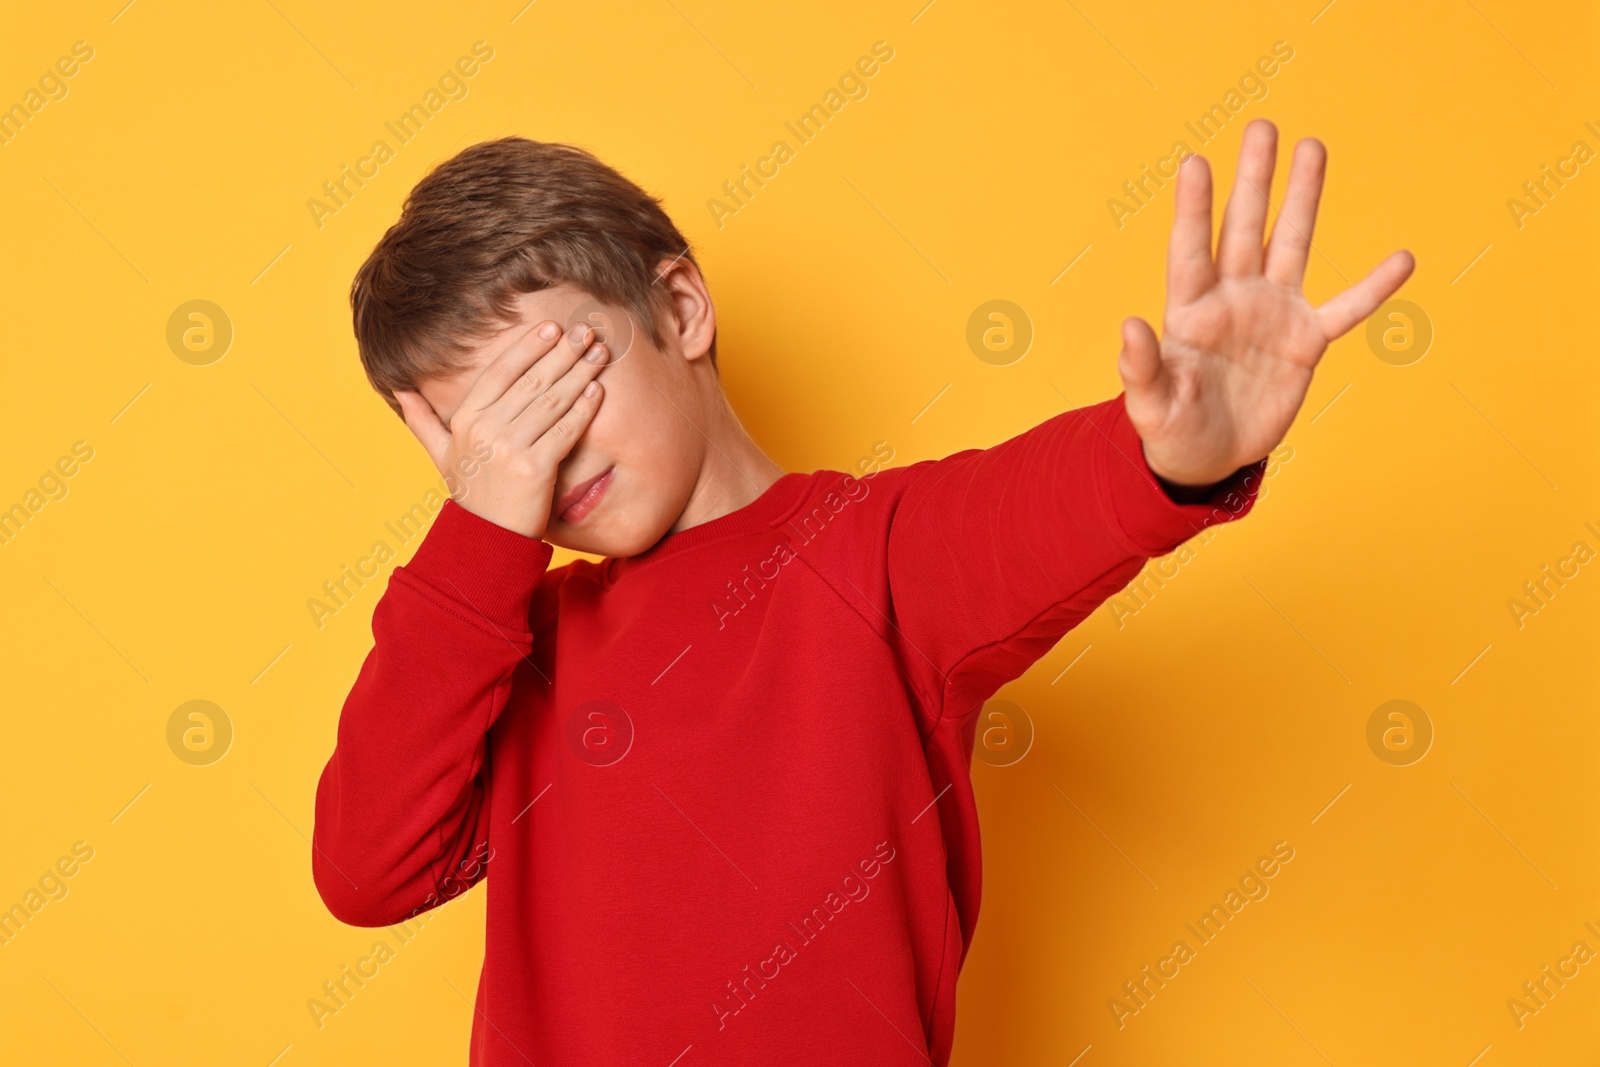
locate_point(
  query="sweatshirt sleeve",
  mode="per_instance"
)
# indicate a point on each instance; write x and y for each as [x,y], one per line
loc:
[994,554]
[400,822]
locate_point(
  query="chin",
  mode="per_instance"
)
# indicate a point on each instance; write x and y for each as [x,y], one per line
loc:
[605,535]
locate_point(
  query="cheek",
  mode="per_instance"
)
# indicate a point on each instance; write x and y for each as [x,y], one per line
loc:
[629,428]
[605,432]
[641,433]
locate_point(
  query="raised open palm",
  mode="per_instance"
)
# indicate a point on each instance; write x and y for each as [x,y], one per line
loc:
[1239,342]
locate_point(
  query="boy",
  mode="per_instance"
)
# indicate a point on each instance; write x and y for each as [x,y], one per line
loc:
[718,782]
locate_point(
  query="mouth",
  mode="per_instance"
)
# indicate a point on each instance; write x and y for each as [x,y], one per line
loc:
[583,497]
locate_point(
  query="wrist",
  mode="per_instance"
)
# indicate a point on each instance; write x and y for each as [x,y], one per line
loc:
[508,516]
[1186,488]
[1182,493]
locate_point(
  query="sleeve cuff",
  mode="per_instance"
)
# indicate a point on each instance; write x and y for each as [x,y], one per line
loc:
[491,570]
[1152,521]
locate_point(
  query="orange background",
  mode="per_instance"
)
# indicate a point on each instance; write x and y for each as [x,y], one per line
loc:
[1229,712]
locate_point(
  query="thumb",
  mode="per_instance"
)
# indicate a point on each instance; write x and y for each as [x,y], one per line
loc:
[425,423]
[1139,365]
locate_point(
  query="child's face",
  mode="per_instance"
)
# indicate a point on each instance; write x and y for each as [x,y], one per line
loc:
[641,434]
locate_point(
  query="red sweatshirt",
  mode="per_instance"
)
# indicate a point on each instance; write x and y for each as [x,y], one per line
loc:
[720,789]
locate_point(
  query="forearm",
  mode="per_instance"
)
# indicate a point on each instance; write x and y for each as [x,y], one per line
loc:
[994,554]
[400,803]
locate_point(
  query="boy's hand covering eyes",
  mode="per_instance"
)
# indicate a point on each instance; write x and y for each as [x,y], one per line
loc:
[1239,343]
[527,409]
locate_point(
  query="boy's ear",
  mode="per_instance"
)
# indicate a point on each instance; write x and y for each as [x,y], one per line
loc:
[694,320]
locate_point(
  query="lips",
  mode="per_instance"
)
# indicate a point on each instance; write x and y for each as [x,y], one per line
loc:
[583,497]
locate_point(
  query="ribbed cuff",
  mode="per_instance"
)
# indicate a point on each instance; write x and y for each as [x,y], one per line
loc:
[1152,521]
[490,570]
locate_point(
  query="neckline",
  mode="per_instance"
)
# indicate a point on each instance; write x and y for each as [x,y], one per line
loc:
[774,504]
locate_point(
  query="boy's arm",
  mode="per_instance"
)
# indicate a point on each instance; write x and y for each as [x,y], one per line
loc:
[994,554]
[400,818]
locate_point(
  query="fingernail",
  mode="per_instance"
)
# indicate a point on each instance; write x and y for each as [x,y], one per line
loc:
[550,331]
[579,334]
[591,389]
[596,354]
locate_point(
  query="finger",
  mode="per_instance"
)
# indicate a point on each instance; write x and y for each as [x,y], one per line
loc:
[425,423]
[537,379]
[1353,305]
[1244,222]
[527,349]
[1291,234]
[556,442]
[545,410]
[1143,376]
[1190,271]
